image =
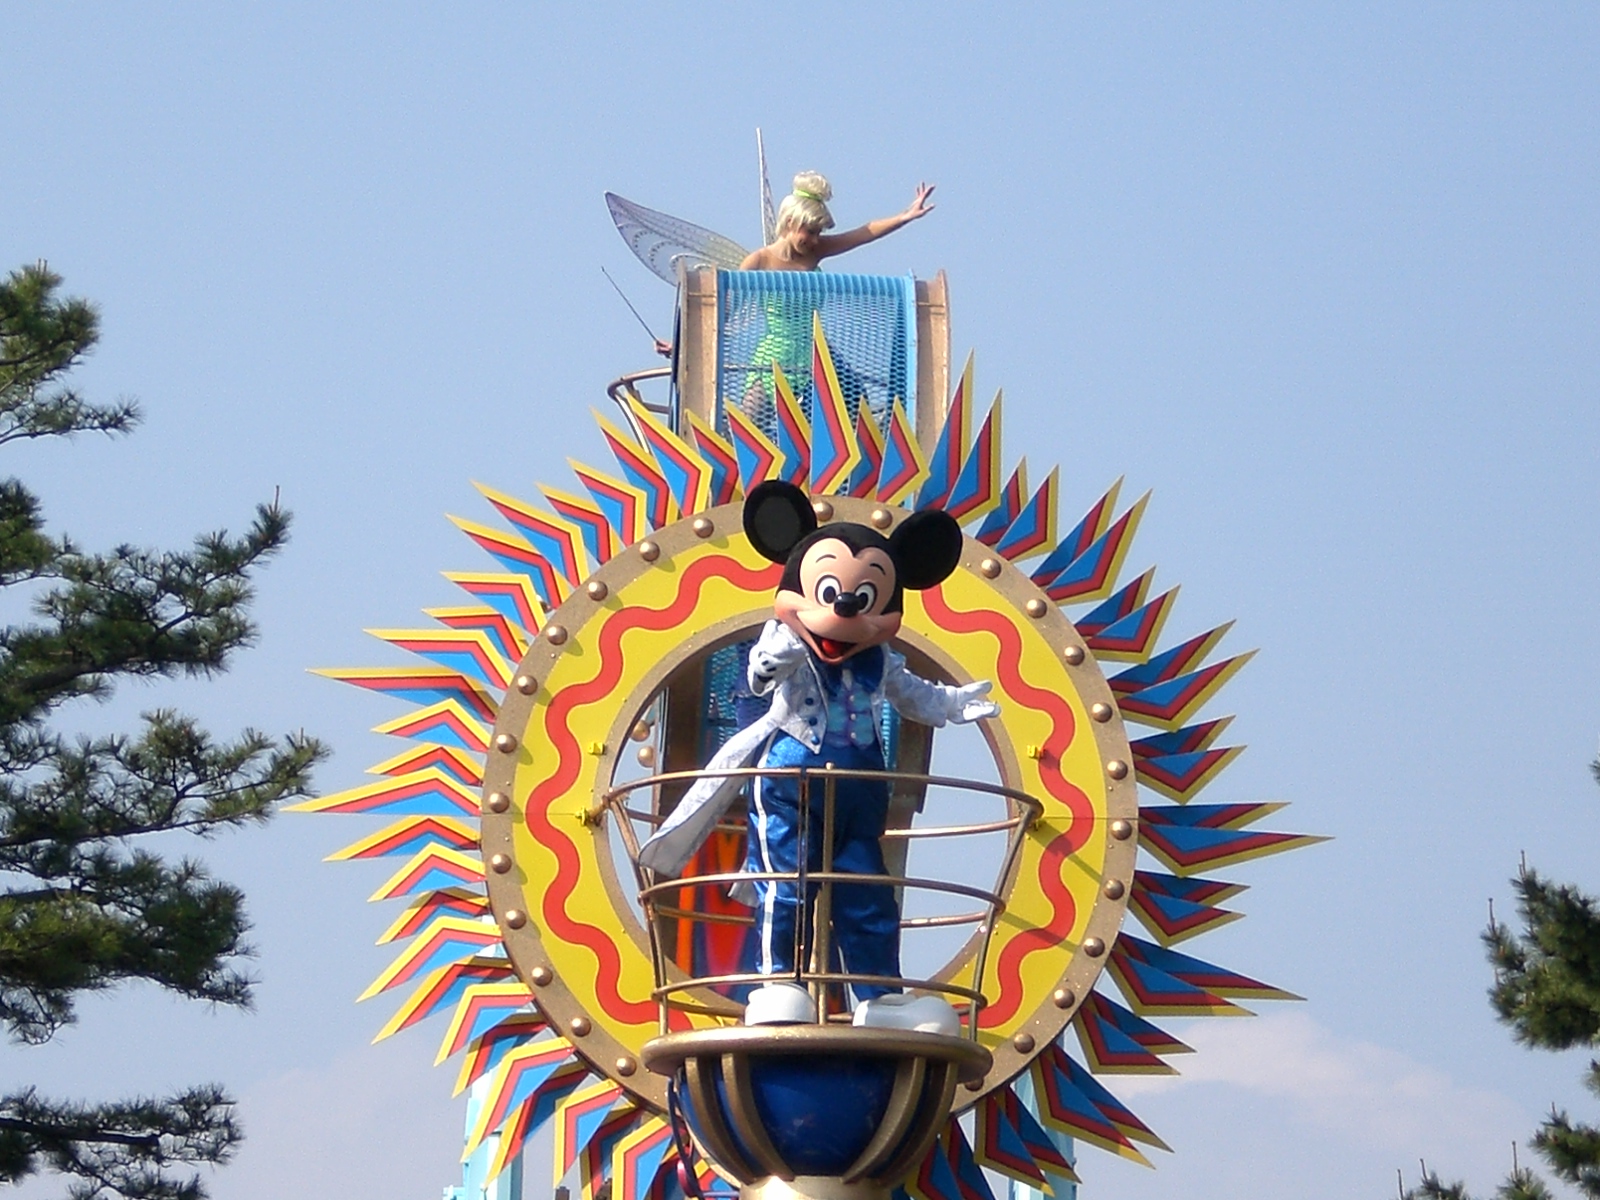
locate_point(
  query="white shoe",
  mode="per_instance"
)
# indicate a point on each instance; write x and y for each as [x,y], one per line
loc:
[780,1004]
[920,1014]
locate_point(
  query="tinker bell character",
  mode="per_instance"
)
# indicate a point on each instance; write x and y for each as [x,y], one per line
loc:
[800,243]
[801,240]
[795,239]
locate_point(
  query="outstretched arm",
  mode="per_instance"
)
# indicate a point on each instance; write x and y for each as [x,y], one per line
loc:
[934,703]
[838,243]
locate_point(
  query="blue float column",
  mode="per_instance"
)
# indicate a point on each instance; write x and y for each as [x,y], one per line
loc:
[1065,1189]
[475,1183]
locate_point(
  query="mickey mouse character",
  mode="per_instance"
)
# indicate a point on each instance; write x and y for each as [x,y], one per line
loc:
[826,662]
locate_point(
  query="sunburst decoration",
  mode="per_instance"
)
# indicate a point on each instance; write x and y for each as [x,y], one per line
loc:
[454,961]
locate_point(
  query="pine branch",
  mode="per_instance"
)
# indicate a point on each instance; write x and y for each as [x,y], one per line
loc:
[125,1149]
[41,337]
[1431,1187]
[1572,1150]
[135,613]
[174,776]
[1547,985]
[25,552]
[106,913]
[1523,1184]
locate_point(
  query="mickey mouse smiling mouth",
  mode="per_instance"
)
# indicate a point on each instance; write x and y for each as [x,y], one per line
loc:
[831,650]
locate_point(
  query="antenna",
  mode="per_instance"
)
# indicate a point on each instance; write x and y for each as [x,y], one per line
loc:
[629,303]
[769,217]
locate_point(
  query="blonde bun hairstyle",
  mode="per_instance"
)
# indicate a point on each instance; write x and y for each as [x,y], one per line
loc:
[807,206]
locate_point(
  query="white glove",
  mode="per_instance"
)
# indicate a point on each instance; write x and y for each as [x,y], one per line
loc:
[777,652]
[964,705]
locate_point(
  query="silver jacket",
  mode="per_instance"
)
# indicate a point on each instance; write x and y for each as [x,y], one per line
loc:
[781,664]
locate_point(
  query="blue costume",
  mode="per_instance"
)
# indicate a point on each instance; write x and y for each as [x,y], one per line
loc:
[820,713]
[866,920]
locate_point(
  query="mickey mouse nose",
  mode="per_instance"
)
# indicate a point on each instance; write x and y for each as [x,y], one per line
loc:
[848,604]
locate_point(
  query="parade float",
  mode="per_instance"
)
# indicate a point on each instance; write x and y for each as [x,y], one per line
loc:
[717,1020]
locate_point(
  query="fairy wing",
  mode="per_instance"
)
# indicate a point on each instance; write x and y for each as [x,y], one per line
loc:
[661,242]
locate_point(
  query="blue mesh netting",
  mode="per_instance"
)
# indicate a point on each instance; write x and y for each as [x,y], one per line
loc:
[729,704]
[765,317]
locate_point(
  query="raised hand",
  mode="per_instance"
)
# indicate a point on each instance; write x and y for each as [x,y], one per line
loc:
[777,652]
[920,206]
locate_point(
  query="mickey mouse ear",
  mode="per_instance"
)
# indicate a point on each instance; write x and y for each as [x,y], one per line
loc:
[926,547]
[776,516]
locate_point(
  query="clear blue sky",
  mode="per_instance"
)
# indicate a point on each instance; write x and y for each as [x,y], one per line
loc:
[1324,277]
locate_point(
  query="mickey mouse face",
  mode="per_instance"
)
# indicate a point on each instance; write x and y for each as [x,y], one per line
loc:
[842,584]
[838,608]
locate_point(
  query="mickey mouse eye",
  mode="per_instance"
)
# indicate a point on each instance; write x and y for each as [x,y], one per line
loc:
[828,590]
[866,597]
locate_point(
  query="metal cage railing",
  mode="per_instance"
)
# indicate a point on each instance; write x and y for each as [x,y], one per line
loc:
[676,989]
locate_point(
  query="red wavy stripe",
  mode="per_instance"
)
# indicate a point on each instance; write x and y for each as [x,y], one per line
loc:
[568,754]
[1063,729]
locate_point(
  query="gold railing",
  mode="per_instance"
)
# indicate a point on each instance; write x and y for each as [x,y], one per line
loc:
[624,387]
[673,989]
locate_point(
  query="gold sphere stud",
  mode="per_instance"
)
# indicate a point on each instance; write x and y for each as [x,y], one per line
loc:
[1114,889]
[596,589]
[989,568]
[1093,947]
[1117,769]
[527,684]
[649,551]
[516,918]
[500,863]
[1036,608]
[1063,998]
[702,526]
[823,509]
[541,976]
[1023,1043]
[1121,830]
[506,743]
[580,1026]
[647,756]
[881,518]
[640,731]
[626,1066]
[1101,712]
[556,635]
[497,802]
[1073,655]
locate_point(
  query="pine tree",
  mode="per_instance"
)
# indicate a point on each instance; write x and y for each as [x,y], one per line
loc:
[1520,1184]
[1547,988]
[86,904]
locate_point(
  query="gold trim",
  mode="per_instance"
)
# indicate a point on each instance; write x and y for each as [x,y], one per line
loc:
[746,1121]
[909,1078]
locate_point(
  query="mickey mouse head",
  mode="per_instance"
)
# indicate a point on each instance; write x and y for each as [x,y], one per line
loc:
[843,584]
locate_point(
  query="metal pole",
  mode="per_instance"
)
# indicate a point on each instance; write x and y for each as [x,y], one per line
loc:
[820,941]
[801,901]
